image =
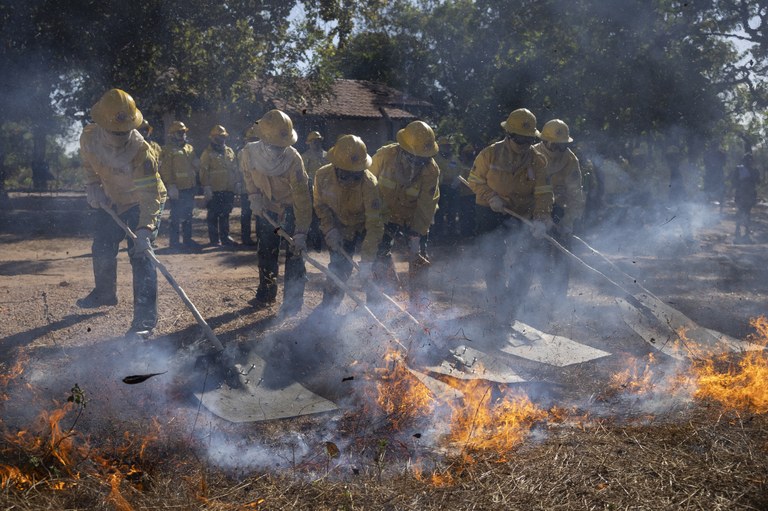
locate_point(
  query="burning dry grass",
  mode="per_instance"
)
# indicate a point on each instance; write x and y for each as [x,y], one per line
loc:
[497,450]
[705,460]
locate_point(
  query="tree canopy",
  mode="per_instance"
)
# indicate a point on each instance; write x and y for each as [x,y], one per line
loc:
[616,72]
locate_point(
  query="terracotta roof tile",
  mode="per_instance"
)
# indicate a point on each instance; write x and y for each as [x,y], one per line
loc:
[360,99]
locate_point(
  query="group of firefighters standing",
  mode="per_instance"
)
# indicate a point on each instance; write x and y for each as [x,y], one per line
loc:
[354,201]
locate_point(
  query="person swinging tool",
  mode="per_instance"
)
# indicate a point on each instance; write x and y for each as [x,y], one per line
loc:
[277,186]
[510,174]
[121,172]
[349,207]
[408,182]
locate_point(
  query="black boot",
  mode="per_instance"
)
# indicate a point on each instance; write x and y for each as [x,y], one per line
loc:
[105,291]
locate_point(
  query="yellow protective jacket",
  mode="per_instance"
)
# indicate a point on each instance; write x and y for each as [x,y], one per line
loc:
[219,170]
[178,166]
[409,196]
[313,160]
[128,179]
[350,208]
[284,183]
[516,175]
[564,174]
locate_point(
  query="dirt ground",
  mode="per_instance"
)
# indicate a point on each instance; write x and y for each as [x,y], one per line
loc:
[45,266]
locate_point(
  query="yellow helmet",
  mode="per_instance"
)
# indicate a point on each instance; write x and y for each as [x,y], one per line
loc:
[177,126]
[313,135]
[349,153]
[445,140]
[116,111]
[556,131]
[418,139]
[521,122]
[276,128]
[218,131]
[252,132]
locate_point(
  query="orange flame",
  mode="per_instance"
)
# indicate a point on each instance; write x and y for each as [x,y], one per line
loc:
[737,385]
[495,427]
[115,497]
[400,395]
[633,379]
[12,476]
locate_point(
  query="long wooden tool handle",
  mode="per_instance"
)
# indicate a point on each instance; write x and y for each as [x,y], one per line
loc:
[627,294]
[175,285]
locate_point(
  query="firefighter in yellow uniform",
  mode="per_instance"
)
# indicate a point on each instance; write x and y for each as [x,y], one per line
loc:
[348,204]
[178,168]
[314,158]
[510,174]
[219,178]
[564,174]
[121,172]
[277,186]
[408,182]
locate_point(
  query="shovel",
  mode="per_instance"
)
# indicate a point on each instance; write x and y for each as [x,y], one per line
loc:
[648,304]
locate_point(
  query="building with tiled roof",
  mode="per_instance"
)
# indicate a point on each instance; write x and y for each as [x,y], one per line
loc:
[372,111]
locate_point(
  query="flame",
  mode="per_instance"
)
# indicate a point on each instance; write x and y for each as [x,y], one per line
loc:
[14,372]
[115,497]
[741,384]
[12,476]
[400,395]
[60,443]
[633,379]
[498,426]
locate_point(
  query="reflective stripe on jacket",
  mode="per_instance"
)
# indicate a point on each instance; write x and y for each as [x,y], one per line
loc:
[178,166]
[135,183]
[351,208]
[516,175]
[287,186]
[218,170]
[409,195]
[564,174]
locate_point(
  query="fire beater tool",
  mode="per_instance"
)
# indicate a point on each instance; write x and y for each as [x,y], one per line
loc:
[335,278]
[649,305]
[175,285]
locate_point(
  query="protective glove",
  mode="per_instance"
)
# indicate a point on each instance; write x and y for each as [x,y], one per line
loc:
[496,203]
[414,245]
[366,271]
[299,242]
[208,193]
[539,229]
[143,241]
[173,192]
[333,239]
[96,196]
[258,204]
